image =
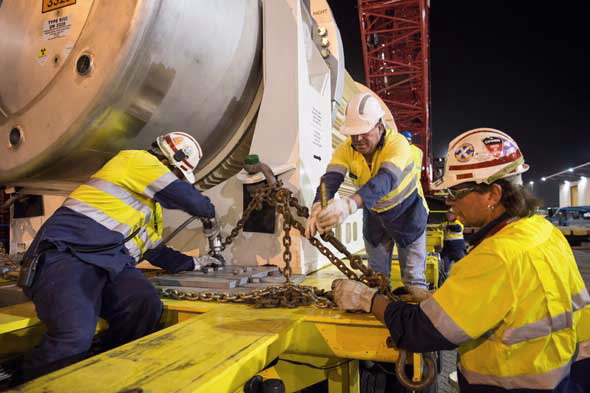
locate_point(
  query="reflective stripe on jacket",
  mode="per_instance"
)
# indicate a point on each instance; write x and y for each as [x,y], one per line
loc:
[418,155]
[394,157]
[515,305]
[122,202]
[453,230]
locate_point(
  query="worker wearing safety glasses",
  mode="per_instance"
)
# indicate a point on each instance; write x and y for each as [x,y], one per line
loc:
[515,306]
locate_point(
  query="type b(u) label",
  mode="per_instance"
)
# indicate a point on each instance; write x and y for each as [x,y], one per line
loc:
[57,27]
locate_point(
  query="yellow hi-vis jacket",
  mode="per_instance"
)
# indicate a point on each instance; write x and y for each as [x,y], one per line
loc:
[516,305]
[394,156]
[418,155]
[453,230]
[121,197]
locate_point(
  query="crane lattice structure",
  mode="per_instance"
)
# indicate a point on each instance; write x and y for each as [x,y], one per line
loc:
[395,45]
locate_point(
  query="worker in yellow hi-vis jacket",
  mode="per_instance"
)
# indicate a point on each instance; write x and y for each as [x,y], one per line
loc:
[86,251]
[515,306]
[454,243]
[381,164]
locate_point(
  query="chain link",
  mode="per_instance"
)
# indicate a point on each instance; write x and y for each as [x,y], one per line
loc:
[288,294]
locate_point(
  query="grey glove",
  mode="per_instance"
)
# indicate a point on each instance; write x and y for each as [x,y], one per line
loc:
[205,260]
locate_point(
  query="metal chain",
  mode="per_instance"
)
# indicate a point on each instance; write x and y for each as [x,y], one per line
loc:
[256,203]
[288,294]
[368,276]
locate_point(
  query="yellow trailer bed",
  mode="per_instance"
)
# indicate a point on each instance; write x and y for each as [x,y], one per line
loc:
[216,347]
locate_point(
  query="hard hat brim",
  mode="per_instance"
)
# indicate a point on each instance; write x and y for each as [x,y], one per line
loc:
[189,176]
[355,130]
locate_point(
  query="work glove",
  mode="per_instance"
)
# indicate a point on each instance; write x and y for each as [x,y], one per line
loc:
[205,260]
[353,295]
[335,213]
[414,294]
[310,227]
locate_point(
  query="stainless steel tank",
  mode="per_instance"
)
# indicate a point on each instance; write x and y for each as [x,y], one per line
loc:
[81,82]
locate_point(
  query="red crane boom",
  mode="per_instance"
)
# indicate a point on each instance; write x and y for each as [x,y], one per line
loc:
[394,35]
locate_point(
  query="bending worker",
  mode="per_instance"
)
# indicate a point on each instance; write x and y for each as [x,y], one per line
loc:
[454,243]
[379,161]
[515,306]
[89,246]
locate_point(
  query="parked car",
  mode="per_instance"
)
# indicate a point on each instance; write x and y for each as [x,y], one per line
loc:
[578,216]
[573,222]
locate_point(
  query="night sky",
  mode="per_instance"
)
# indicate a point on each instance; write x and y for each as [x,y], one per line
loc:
[517,66]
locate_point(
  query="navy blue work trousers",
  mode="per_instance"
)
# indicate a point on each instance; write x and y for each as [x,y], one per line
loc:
[69,297]
[453,250]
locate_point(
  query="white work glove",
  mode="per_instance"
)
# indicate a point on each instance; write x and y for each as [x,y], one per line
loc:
[310,227]
[205,260]
[335,213]
[353,295]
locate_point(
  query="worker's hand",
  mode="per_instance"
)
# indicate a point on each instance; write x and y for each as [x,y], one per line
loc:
[353,295]
[415,294]
[335,213]
[205,260]
[310,227]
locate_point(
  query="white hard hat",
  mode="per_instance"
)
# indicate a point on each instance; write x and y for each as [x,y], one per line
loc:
[362,114]
[482,155]
[183,152]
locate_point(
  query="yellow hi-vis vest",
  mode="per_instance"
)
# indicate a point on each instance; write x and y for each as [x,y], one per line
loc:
[395,156]
[451,235]
[119,197]
[514,305]
[418,155]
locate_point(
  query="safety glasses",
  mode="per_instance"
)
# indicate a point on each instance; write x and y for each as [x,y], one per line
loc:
[456,194]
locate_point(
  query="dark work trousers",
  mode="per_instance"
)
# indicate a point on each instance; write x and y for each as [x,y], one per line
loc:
[452,251]
[579,379]
[70,296]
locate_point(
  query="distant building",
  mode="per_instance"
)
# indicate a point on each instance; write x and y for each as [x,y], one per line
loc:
[574,185]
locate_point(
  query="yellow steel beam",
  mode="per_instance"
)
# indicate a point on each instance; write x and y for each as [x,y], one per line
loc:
[215,347]
[345,379]
[17,317]
[343,336]
[296,372]
[219,350]
[214,352]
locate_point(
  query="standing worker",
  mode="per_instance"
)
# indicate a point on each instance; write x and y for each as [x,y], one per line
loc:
[516,306]
[89,247]
[454,243]
[380,162]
